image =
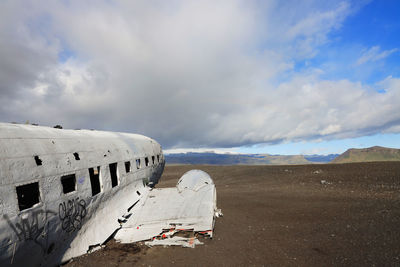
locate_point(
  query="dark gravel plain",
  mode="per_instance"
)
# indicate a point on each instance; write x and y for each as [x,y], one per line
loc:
[303,215]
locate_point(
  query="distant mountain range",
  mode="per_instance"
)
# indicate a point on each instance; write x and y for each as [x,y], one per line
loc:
[321,158]
[376,153]
[244,159]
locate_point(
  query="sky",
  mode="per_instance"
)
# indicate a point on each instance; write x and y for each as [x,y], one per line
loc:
[277,77]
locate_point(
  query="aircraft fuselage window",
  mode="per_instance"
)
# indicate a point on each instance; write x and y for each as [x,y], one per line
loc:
[128,166]
[68,183]
[138,164]
[146,161]
[76,155]
[28,195]
[38,161]
[95,180]
[152,159]
[158,158]
[113,174]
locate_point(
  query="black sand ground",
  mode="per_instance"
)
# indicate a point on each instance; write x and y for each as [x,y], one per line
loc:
[308,215]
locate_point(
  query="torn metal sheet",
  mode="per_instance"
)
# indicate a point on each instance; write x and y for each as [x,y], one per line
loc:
[190,206]
[186,242]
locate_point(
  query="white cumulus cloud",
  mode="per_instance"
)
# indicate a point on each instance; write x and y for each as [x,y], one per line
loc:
[188,73]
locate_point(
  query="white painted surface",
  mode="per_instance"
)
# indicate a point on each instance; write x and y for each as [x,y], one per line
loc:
[45,234]
[189,206]
[185,242]
[62,226]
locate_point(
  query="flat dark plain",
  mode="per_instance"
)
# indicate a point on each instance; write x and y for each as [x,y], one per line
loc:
[295,215]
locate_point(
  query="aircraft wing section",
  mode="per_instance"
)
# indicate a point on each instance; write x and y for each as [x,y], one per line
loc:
[190,206]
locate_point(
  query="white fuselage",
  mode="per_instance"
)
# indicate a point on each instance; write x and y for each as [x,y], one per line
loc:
[63,191]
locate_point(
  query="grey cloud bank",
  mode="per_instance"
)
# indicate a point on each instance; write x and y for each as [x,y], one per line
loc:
[187,73]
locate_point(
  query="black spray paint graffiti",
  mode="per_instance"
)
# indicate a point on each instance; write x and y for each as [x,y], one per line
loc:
[33,227]
[71,214]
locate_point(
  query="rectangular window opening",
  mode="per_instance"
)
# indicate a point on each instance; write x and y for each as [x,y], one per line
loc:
[68,183]
[28,195]
[128,166]
[95,180]
[113,174]
[153,159]
[38,161]
[158,158]
[146,161]
[76,155]
[138,164]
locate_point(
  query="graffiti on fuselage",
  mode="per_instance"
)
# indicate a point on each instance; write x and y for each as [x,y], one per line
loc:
[33,227]
[71,214]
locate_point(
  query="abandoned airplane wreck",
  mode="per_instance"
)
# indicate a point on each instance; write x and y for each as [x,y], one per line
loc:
[63,193]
